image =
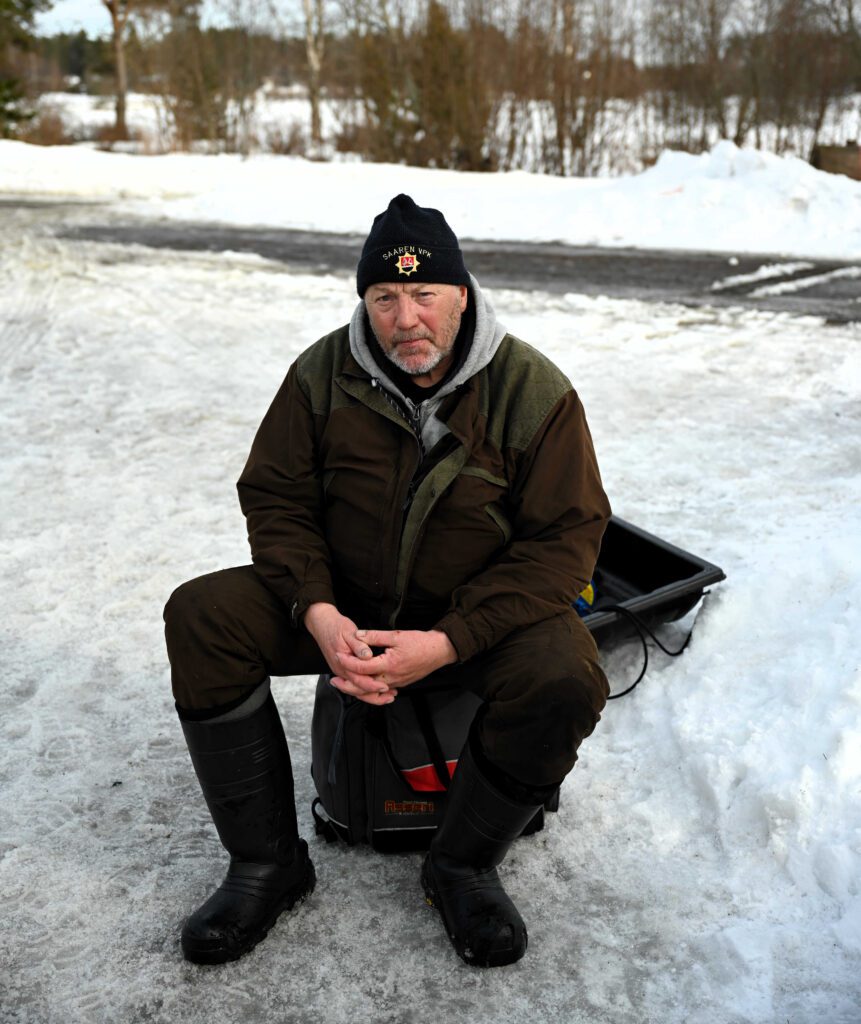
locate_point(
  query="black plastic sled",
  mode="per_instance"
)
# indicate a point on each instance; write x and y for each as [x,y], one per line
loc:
[647,577]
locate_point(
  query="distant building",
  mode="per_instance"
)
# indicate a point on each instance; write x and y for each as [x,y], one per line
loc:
[838,159]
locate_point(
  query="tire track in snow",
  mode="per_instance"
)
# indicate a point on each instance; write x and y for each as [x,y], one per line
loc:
[30,271]
[763,273]
[786,287]
[797,274]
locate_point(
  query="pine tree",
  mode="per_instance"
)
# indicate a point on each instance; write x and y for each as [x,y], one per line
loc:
[16,24]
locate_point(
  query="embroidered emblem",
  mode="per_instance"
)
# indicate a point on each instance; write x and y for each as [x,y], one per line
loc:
[408,264]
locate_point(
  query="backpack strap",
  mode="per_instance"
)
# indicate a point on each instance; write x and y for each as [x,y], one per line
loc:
[337,740]
[425,720]
[322,826]
[418,700]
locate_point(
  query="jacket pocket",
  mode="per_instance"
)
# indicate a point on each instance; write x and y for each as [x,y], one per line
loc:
[484,474]
[501,520]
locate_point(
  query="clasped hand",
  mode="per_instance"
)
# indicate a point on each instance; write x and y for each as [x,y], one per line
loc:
[407,656]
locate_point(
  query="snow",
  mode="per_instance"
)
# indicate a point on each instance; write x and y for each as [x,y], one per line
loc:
[790,287]
[83,114]
[705,864]
[728,200]
[764,273]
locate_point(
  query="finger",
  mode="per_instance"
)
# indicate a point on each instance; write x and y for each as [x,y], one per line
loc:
[360,648]
[378,637]
[385,696]
[361,666]
[351,689]
[378,699]
[366,683]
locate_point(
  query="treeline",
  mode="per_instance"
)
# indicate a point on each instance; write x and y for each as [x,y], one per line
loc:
[555,85]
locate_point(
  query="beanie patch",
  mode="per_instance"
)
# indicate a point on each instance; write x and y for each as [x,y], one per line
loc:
[408,263]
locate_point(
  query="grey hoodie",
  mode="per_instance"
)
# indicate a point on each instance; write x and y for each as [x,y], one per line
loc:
[486,340]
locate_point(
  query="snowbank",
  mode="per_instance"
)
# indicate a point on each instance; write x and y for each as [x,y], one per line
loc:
[728,200]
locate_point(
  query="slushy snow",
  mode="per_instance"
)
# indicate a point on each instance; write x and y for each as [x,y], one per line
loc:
[705,864]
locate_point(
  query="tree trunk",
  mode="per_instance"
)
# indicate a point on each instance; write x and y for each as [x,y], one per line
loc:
[119,12]
[314,42]
[122,83]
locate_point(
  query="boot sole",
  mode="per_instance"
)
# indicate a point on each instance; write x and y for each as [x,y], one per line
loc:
[500,958]
[222,954]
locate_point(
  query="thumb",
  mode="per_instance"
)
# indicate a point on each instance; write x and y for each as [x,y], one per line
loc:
[375,637]
[358,644]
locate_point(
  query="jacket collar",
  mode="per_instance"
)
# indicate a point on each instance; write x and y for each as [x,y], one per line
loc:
[458,410]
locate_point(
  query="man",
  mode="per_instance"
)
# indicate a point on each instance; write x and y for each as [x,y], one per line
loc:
[422,499]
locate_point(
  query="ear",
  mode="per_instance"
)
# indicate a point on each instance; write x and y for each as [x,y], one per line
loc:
[463,296]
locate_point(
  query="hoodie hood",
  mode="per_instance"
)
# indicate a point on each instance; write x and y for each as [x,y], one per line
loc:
[486,340]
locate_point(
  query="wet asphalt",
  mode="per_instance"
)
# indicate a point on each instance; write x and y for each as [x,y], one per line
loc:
[824,288]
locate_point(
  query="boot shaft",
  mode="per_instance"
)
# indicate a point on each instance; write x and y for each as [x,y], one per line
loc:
[243,767]
[480,821]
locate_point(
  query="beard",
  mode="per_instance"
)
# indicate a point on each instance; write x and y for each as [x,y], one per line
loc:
[413,365]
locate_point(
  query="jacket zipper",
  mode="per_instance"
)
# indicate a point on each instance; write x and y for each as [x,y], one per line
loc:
[413,423]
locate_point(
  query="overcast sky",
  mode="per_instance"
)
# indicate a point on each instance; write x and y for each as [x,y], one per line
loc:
[72,15]
[92,17]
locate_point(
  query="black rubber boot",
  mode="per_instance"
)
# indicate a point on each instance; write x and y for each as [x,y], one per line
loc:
[243,766]
[459,873]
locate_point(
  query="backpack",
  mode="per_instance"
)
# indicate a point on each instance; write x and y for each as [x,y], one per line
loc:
[381,773]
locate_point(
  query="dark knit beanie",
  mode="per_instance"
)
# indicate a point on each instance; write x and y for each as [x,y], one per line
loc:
[410,243]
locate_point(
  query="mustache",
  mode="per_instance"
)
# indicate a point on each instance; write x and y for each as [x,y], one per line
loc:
[415,335]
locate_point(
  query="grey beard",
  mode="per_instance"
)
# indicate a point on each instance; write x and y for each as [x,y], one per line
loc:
[432,361]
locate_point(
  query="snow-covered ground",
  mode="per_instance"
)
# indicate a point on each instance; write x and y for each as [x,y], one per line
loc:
[705,865]
[728,200]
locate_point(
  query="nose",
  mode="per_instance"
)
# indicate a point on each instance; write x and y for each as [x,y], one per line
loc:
[406,313]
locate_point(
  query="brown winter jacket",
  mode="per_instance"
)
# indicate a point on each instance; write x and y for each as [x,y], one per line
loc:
[501,531]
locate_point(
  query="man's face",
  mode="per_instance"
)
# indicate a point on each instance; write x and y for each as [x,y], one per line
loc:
[416,325]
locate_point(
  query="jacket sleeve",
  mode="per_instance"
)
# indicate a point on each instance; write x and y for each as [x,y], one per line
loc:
[281,496]
[558,515]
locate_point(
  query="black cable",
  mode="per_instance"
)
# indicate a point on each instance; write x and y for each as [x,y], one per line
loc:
[642,629]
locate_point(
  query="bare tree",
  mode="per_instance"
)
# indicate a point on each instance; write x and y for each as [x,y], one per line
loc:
[546,85]
[119,11]
[240,63]
[586,40]
[315,48]
[845,18]
[384,125]
[695,41]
